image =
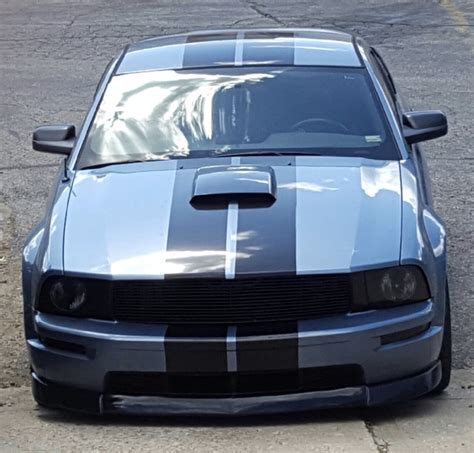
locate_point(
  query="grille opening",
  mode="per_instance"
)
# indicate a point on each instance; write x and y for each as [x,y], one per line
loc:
[220,301]
[238,384]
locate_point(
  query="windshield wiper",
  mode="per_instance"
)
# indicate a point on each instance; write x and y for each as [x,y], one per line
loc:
[119,162]
[282,152]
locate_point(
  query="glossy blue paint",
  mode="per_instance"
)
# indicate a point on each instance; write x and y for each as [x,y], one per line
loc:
[426,246]
[43,252]
[126,202]
[118,219]
[365,227]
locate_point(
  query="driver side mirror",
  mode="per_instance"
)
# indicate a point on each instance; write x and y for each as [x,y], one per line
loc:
[54,138]
[421,126]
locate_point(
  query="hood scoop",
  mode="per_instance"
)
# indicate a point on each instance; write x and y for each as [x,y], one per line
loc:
[219,185]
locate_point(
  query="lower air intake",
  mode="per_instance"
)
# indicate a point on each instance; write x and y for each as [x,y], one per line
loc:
[227,385]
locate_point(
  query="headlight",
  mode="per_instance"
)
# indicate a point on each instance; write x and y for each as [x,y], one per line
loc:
[389,287]
[78,297]
[67,294]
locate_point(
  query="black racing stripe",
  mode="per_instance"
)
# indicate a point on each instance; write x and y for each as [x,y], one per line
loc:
[197,237]
[266,234]
[257,353]
[268,48]
[209,50]
[196,349]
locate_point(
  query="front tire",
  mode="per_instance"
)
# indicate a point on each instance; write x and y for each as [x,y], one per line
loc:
[445,354]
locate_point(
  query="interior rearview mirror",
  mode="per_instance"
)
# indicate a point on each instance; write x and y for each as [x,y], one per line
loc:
[421,126]
[54,138]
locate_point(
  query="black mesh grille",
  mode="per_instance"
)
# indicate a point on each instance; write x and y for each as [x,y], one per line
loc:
[233,384]
[211,301]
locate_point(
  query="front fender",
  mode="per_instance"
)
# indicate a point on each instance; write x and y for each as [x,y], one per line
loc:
[43,251]
[30,275]
[423,239]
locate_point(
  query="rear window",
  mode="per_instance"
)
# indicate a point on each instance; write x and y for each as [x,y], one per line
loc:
[217,111]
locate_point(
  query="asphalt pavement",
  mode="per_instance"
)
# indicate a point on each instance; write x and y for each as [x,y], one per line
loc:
[52,54]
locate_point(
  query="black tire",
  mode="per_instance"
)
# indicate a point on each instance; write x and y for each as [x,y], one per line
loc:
[445,354]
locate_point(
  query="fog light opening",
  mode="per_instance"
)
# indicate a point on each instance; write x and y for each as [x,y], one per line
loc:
[404,334]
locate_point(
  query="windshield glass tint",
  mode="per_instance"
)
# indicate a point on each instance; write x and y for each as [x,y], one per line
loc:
[197,113]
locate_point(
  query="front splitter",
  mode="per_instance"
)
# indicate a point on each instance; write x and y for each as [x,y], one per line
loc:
[62,397]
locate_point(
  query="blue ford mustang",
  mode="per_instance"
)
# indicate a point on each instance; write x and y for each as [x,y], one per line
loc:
[243,224]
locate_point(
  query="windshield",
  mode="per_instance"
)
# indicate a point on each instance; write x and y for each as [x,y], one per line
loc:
[218,111]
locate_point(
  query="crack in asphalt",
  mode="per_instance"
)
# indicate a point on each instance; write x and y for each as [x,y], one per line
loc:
[381,444]
[258,8]
[28,167]
[389,24]
[332,22]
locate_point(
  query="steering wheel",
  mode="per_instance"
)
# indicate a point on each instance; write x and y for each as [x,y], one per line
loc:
[334,126]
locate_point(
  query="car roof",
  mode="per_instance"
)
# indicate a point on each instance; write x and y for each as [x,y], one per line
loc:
[217,48]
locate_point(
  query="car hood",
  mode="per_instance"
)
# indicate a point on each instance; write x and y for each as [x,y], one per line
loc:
[329,215]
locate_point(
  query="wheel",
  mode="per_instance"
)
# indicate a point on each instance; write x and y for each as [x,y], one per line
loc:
[445,354]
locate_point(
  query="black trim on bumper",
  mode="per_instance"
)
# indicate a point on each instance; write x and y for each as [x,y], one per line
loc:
[62,397]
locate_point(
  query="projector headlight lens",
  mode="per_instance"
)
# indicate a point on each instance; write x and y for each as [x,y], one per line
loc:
[395,285]
[68,295]
[399,284]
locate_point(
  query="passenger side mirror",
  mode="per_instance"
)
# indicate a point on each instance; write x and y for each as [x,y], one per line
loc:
[54,138]
[421,126]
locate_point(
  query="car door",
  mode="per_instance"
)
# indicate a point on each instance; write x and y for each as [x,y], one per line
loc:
[400,106]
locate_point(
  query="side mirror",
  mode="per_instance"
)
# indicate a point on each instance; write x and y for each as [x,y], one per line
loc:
[421,126]
[54,138]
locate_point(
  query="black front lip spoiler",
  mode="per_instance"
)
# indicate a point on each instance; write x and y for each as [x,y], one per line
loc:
[79,400]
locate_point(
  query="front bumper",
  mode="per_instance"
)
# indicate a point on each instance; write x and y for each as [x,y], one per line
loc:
[60,397]
[393,371]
